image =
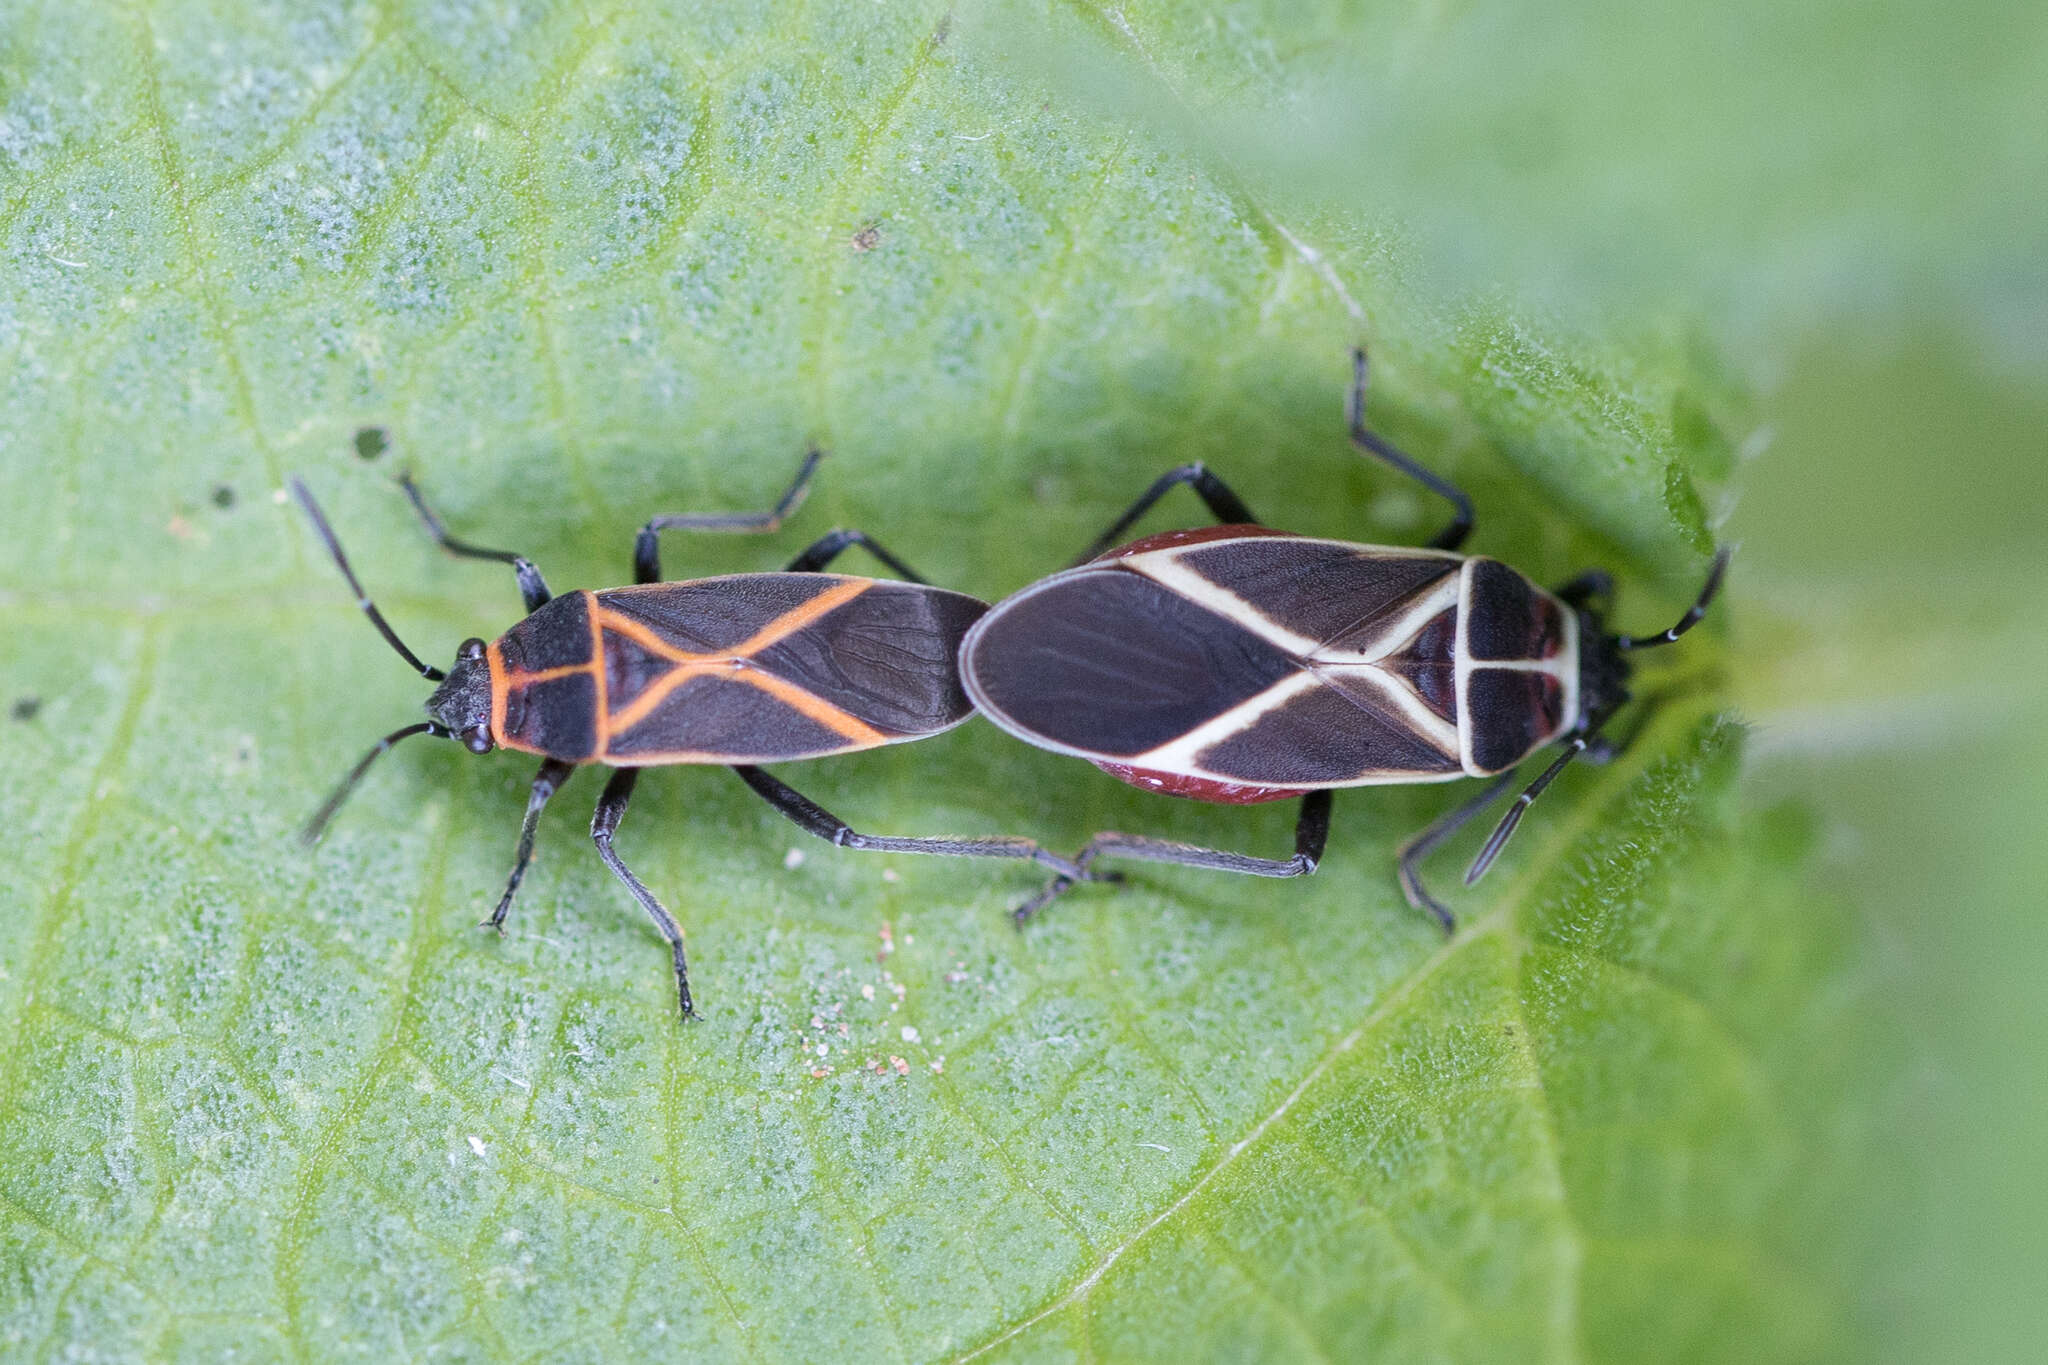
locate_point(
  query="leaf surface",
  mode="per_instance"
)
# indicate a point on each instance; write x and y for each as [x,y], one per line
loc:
[574,268]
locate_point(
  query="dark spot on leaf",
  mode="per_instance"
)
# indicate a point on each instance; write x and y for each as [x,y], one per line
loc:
[372,442]
[867,238]
[25,708]
[223,496]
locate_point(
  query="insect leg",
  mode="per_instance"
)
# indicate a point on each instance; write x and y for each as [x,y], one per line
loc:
[552,774]
[532,587]
[1425,841]
[611,808]
[815,819]
[1227,507]
[647,547]
[1453,535]
[1311,832]
[830,546]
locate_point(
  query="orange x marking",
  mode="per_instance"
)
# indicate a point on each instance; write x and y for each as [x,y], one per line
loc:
[737,664]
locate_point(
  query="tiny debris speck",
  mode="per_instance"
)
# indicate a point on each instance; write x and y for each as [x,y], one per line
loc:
[793,859]
[25,708]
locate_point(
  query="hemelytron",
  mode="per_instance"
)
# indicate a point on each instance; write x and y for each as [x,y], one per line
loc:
[738,670]
[1235,663]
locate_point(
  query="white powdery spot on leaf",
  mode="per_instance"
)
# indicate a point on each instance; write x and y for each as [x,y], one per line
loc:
[628,168]
[311,213]
[28,130]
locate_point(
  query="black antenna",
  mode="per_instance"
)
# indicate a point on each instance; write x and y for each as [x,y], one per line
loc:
[1692,615]
[1578,743]
[311,833]
[326,533]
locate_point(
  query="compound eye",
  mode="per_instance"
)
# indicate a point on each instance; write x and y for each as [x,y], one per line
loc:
[470,650]
[479,740]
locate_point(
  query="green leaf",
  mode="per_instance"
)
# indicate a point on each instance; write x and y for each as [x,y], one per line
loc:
[574,269]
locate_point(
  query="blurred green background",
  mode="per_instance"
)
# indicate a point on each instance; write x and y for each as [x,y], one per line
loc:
[1920,736]
[1643,275]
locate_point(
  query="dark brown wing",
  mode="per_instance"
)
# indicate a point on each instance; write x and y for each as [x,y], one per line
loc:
[1116,665]
[1338,597]
[889,657]
[1330,592]
[1344,729]
[1107,663]
[761,668]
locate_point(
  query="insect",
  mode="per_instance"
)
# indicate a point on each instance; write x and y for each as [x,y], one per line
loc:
[1238,664]
[738,670]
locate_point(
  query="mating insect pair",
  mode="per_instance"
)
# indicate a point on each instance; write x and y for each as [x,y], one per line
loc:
[1231,664]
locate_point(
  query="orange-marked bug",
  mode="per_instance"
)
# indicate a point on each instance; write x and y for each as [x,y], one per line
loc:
[737,670]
